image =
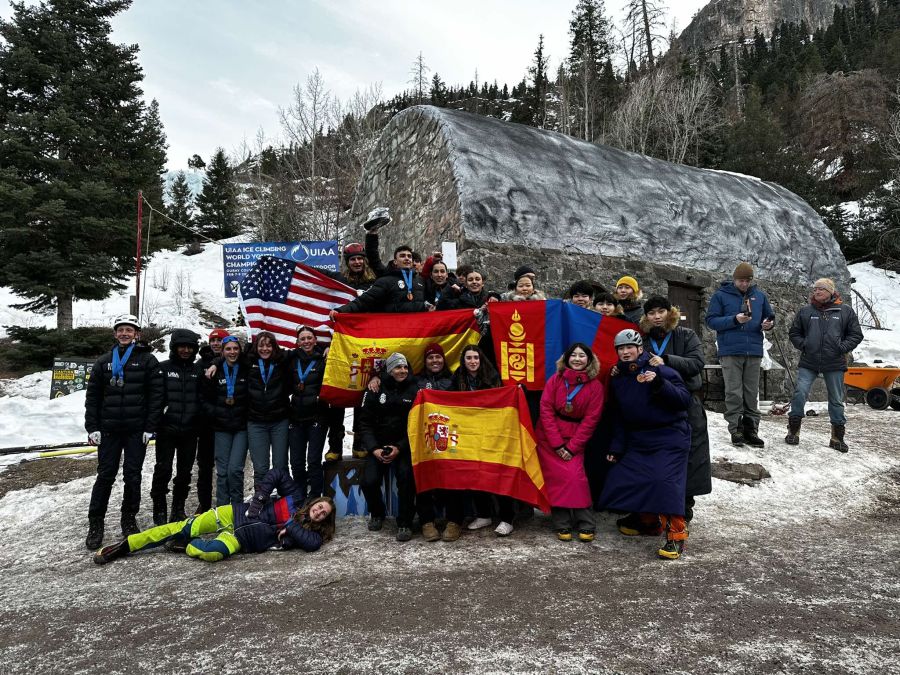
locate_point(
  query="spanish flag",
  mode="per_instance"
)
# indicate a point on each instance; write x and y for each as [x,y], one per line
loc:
[362,341]
[478,440]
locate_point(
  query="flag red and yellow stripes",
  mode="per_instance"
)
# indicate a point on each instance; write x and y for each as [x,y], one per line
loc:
[362,341]
[481,440]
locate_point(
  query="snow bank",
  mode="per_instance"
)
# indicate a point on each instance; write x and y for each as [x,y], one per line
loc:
[38,420]
[881,288]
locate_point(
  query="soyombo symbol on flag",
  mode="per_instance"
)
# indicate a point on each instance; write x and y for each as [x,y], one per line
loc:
[480,440]
[362,341]
[530,336]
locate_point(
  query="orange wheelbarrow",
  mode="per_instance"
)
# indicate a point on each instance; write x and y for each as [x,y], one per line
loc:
[879,385]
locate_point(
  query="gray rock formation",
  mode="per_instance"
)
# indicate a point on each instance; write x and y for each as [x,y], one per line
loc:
[721,21]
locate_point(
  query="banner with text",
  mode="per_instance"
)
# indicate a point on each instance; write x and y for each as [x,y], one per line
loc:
[240,258]
[69,376]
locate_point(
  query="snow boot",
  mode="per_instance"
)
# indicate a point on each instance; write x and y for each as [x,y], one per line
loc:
[129,524]
[95,534]
[332,456]
[737,438]
[159,512]
[837,438]
[111,552]
[672,550]
[178,513]
[751,437]
[793,434]
[632,526]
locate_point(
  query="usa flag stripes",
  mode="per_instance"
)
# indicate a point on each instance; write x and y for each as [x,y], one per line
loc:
[278,295]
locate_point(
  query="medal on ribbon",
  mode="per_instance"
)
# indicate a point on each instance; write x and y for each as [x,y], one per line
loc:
[118,366]
[570,396]
[230,379]
[408,279]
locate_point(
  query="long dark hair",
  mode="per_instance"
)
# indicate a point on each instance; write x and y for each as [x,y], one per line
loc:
[277,351]
[485,378]
[324,528]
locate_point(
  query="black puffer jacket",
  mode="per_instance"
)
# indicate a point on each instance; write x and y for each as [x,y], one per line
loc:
[463,299]
[135,407]
[182,381]
[385,414]
[442,381]
[389,294]
[214,391]
[207,356]
[683,352]
[825,336]
[305,403]
[268,402]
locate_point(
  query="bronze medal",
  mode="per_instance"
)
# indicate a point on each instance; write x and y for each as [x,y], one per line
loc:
[409,296]
[229,400]
[301,387]
[568,407]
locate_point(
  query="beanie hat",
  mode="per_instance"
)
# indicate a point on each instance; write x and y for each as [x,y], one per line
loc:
[743,271]
[184,337]
[522,270]
[629,281]
[827,284]
[657,302]
[394,360]
[220,333]
[434,348]
[581,288]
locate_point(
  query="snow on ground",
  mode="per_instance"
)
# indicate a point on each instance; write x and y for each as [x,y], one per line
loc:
[881,288]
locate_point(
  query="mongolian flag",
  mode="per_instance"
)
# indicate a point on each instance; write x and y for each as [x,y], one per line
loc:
[362,341]
[476,440]
[530,336]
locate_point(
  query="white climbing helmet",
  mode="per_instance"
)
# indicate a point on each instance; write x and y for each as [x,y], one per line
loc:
[126,320]
[629,336]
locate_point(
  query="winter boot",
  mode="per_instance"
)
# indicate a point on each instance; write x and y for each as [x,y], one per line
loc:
[159,512]
[751,437]
[737,438]
[332,456]
[793,434]
[129,524]
[632,526]
[672,550]
[111,552]
[95,534]
[178,513]
[837,438]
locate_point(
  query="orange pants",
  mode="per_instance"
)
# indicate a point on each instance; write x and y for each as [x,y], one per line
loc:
[674,526]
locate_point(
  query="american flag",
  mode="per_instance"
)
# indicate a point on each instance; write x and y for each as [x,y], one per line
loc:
[278,295]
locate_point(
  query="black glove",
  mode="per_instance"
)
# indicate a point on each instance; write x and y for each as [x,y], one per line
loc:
[256,504]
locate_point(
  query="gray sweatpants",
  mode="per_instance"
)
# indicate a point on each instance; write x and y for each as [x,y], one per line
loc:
[581,520]
[741,375]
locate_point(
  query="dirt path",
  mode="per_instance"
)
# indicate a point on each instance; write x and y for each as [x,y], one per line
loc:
[797,576]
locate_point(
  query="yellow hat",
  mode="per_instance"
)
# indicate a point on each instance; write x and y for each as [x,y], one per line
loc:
[629,281]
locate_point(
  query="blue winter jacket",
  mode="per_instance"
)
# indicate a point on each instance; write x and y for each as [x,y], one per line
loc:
[258,534]
[733,338]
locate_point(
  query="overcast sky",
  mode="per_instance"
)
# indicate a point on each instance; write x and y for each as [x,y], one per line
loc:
[221,69]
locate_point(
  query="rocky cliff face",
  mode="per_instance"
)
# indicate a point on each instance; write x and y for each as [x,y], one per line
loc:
[721,21]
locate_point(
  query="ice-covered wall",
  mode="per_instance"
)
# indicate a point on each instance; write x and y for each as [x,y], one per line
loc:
[511,185]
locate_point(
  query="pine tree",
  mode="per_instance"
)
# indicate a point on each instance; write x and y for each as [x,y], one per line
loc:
[217,203]
[181,208]
[76,144]
[438,94]
[536,96]
[589,50]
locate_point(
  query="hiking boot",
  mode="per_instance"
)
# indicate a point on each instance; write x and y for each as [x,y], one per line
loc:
[176,545]
[837,438]
[160,513]
[564,535]
[737,439]
[632,526]
[751,437]
[404,534]
[793,434]
[585,536]
[360,454]
[430,532]
[178,513]
[331,457]
[504,529]
[451,532]
[95,534]
[672,550]
[376,523]
[109,553]
[129,524]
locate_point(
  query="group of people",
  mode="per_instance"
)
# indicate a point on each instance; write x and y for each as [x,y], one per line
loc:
[633,440]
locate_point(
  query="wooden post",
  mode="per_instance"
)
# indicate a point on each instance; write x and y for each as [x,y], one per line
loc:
[137,283]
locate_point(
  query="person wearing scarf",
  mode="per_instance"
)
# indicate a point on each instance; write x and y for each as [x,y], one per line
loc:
[825,331]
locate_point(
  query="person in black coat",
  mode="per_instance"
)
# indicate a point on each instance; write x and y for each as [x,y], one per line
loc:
[245,527]
[673,345]
[825,331]
[123,404]
[206,437]
[269,387]
[399,290]
[385,414]
[225,402]
[306,366]
[177,436]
